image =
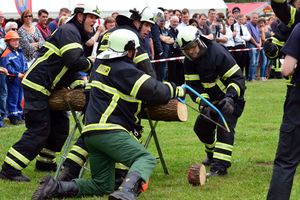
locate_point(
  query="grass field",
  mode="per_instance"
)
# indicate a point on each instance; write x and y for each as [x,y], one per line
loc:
[248,179]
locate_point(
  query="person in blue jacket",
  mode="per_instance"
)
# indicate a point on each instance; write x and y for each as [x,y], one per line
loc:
[14,61]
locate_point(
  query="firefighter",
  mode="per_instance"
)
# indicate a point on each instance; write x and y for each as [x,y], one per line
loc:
[118,89]
[78,153]
[288,151]
[213,73]
[287,13]
[60,58]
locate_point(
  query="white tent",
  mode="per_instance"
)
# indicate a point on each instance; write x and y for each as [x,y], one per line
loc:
[108,6]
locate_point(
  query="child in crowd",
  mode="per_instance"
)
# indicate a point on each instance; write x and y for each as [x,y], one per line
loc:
[14,61]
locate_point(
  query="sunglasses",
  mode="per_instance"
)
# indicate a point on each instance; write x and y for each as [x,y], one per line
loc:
[26,16]
[14,29]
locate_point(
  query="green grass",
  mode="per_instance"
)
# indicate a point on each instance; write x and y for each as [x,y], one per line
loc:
[255,145]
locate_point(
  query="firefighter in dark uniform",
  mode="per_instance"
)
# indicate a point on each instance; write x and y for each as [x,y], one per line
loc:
[59,61]
[288,151]
[118,90]
[213,73]
[78,153]
[282,31]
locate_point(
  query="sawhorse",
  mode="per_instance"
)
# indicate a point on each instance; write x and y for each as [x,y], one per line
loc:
[78,126]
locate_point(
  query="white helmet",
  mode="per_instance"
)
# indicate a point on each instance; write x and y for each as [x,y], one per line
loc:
[158,15]
[119,42]
[85,9]
[189,37]
[147,15]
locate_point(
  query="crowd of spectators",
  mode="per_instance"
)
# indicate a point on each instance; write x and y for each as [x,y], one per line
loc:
[242,35]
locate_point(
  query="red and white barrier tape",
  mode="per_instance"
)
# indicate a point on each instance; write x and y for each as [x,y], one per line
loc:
[182,57]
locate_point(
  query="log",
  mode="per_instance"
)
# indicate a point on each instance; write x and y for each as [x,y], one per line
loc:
[173,111]
[197,175]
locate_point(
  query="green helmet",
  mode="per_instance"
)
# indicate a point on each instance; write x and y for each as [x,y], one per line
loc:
[85,9]
[119,42]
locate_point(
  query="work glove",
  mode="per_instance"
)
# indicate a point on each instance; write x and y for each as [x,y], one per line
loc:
[227,105]
[271,49]
[206,110]
[179,92]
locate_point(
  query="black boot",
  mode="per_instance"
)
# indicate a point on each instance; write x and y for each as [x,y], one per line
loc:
[13,175]
[50,188]
[207,161]
[129,189]
[45,167]
[120,175]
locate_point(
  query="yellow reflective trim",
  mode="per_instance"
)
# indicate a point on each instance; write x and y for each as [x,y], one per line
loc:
[45,159]
[12,163]
[138,84]
[277,42]
[205,95]
[88,86]
[121,166]
[293,14]
[110,108]
[38,61]
[36,87]
[102,127]
[58,77]
[170,87]
[236,87]
[48,152]
[89,67]
[114,91]
[77,83]
[140,58]
[221,156]
[69,47]
[231,71]
[210,146]
[76,159]
[19,156]
[192,77]
[80,150]
[221,85]
[224,146]
[103,69]
[209,85]
[103,47]
[53,48]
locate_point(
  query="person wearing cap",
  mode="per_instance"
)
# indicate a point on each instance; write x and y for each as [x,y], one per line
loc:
[59,61]
[118,90]
[235,12]
[138,21]
[14,61]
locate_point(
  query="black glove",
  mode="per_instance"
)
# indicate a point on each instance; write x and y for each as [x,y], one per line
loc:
[206,110]
[227,105]
[271,49]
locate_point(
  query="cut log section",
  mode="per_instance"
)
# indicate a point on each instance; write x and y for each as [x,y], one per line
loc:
[173,111]
[197,175]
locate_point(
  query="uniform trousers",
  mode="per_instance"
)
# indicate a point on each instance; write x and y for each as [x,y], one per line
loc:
[107,148]
[288,151]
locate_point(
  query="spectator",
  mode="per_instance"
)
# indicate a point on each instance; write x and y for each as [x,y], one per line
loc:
[254,44]
[31,39]
[241,38]
[205,30]
[235,12]
[114,14]
[54,24]
[2,24]
[14,61]
[175,68]
[185,17]
[42,23]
